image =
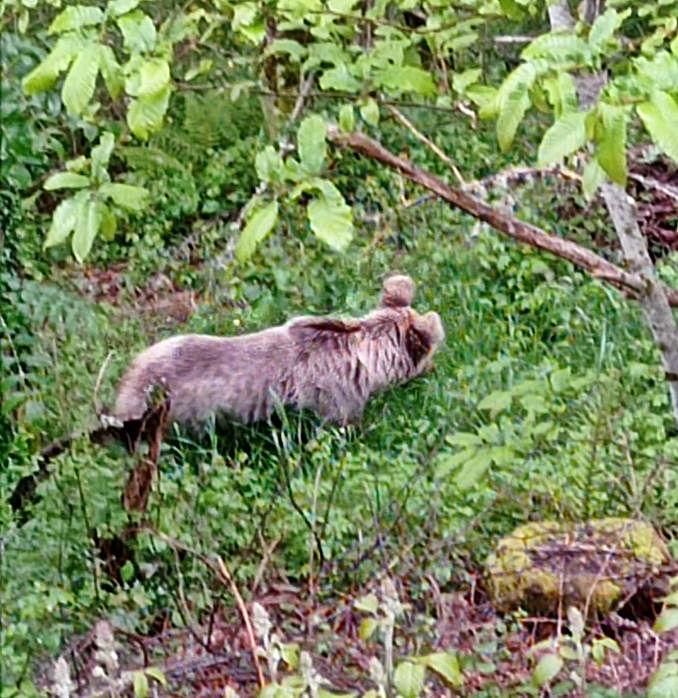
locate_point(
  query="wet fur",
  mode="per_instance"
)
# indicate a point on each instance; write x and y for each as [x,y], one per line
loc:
[328,365]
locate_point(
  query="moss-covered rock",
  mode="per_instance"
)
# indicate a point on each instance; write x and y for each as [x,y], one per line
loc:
[593,565]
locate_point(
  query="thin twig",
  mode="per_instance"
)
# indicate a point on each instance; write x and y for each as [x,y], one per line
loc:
[219,568]
[426,141]
[97,385]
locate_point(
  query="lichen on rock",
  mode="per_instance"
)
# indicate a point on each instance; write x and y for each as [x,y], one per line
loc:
[594,565]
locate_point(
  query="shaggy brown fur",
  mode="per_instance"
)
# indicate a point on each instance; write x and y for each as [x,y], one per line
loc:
[329,365]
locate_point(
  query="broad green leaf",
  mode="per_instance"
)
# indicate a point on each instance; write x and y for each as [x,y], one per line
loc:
[562,93]
[604,28]
[203,67]
[101,154]
[559,48]
[140,683]
[513,100]
[115,8]
[87,224]
[664,682]
[446,664]
[258,227]
[367,628]
[370,112]
[473,469]
[63,222]
[111,71]
[486,99]
[145,114]
[564,137]
[125,195]
[461,42]
[461,81]
[667,620]
[75,17]
[154,76]
[611,141]
[289,652]
[80,81]
[660,117]
[661,72]
[269,164]
[406,78]
[346,118]
[547,669]
[138,31]
[331,218]
[65,180]
[248,22]
[340,79]
[593,176]
[408,679]
[44,75]
[496,401]
[109,223]
[286,46]
[157,674]
[311,143]
[367,604]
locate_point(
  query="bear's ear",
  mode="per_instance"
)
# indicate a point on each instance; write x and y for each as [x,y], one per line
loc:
[320,329]
[398,292]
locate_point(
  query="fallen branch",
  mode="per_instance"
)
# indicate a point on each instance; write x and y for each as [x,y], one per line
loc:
[631,284]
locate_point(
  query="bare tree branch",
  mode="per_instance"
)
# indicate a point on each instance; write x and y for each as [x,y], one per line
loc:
[523,232]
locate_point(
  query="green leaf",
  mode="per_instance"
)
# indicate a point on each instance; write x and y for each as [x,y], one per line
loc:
[496,401]
[115,8]
[109,223]
[339,78]
[367,628]
[331,218]
[611,141]
[140,683]
[286,46]
[408,678]
[63,222]
[604,28]
[154,76]
[547,669]
[75,17]
[446,664]
[138,31]
[111,71]
[593,176]
[87,224]
[44,75]
[660,116]
[125,195]
[157,674]
[269,164]
[462,81]
[101,154]
[145,114]
[473,469]
[258,227]
[311,143]
[564,137]
[664,682]
[558,48]
[346,118]
[406,78]
[80,81]
[370,112]
[65,180]
[513,100]
[667,620]
[367,604]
